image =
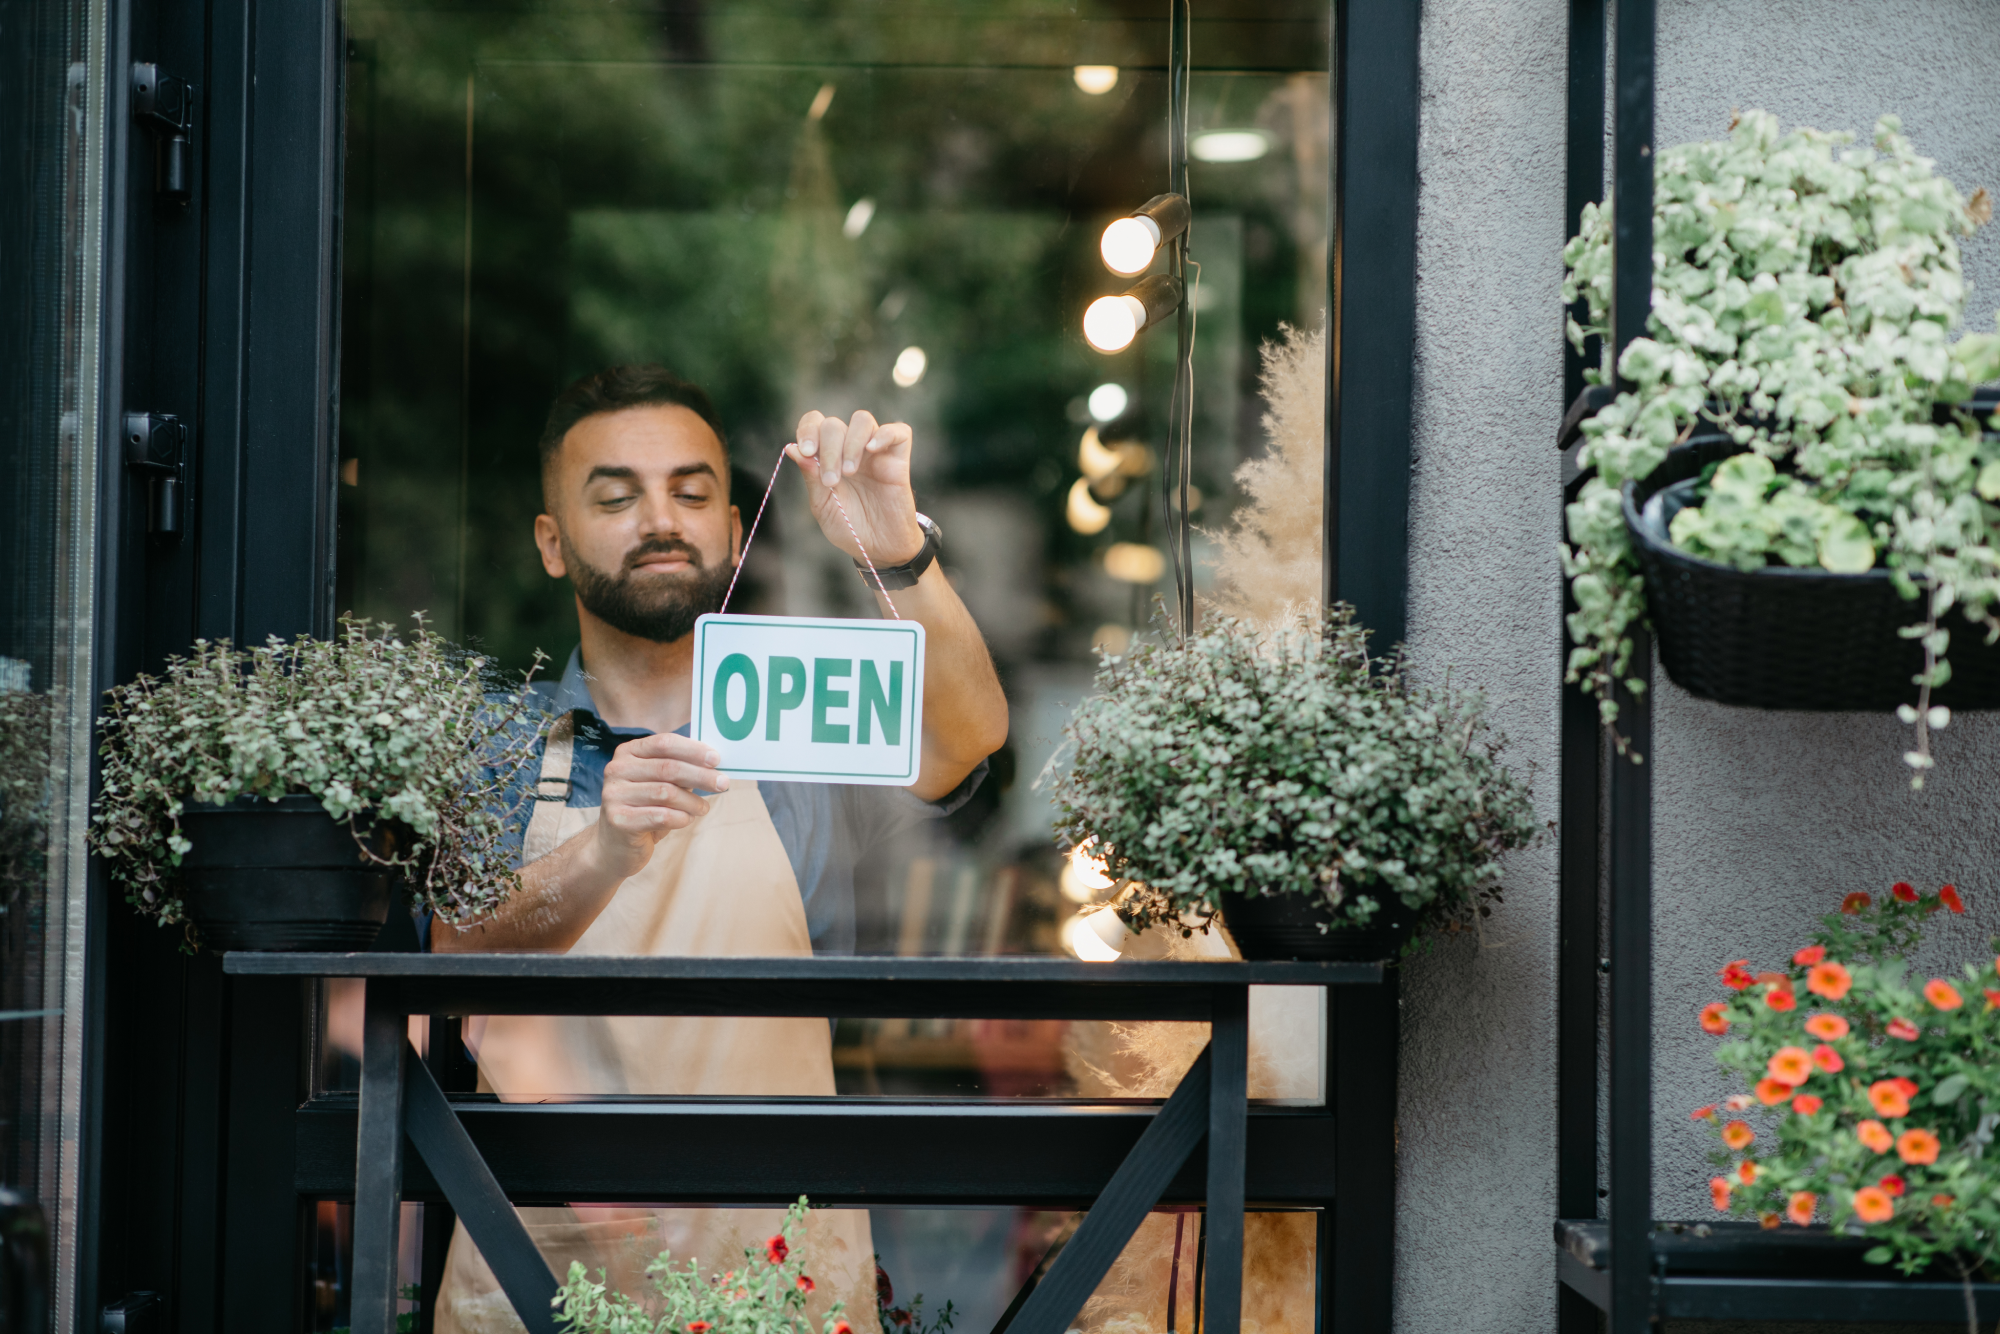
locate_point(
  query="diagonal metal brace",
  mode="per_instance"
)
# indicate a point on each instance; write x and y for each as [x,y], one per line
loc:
[476,1195]
[1128,1197]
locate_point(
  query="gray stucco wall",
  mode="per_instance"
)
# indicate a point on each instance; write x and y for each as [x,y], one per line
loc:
[1761,820]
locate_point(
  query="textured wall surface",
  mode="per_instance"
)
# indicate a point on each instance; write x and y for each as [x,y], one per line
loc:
[1761,820]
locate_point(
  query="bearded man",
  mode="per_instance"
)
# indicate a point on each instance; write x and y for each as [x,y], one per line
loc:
[638,845]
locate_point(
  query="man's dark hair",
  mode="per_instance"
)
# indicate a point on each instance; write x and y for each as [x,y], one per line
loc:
[613,390]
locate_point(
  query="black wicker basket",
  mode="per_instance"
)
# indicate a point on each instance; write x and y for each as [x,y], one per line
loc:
[1782,638]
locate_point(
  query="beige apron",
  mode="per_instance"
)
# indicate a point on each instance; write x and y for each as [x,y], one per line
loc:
[720,888]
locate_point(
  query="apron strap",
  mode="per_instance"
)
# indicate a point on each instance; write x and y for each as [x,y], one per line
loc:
[558,755]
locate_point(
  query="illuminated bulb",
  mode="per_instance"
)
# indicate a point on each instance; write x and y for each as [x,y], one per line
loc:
[858,219]
[1085,515]
[1095,79]
[1229,146]
[1128,245]
[1112,322]
[1097,938]
[1083,876]
[1094,460]
[1107,402]
[909,368]
[1134,563]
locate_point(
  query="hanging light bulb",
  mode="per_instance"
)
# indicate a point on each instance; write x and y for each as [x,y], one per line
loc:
[1112,322]
[1129,243]
[1085,515]
[1094,459]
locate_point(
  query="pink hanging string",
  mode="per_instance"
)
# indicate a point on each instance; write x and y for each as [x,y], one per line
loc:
[751,536]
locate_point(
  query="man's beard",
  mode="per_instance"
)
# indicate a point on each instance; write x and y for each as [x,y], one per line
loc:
[659,607]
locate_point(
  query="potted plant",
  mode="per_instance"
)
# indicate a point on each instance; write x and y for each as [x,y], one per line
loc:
[1322,803]
[1804,294]
[269,796]
[1873,1096]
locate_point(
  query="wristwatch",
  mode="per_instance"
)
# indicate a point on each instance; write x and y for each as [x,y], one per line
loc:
[906,574]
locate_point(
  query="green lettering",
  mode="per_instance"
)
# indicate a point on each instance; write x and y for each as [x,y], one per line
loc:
[736,728]
[826,670]
[788,691]
[872,701]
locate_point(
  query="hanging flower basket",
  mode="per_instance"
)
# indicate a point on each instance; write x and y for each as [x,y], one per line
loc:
[1784,637]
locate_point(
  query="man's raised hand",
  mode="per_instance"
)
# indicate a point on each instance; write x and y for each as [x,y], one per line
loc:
[868,463]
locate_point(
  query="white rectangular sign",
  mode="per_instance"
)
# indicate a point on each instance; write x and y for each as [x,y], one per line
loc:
[800,699]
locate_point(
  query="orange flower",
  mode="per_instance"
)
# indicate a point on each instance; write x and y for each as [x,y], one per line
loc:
[1875,1135]
[805,1283]
[1780,998]
[1790,1065]
[1748,1172]
[1768,1221]
[1735,976]
[1992,999]
[842,1327]
[1827,1059]
[1855,902]
[1893,1184]
[1909,1086]
[776,1249]
[1942,995]
[1810,955]
[1738,1135]
[1703,1113]
[1718,1191]
[1806,1104]
[1773,1091]
[1886,1096]
[1904,1029]
[1830,980]
[1942,1201]
[1918,1147]
[1800,1210]
[1904,890]
[1873,1205]
[1739,1102]
[1714,1017]
[1948,895]
[1828,1026]
[697,1327]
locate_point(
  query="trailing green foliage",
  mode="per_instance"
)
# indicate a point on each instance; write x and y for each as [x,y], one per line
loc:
[1286,763]
[376,725]
[1804,292]
[26,742]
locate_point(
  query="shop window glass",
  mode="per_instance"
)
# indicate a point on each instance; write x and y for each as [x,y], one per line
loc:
[853,205]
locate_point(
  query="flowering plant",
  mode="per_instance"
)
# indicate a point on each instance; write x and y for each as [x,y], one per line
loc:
[1288,763]
[1803,292]
[375,725]
[765,1295]
[1874,1098]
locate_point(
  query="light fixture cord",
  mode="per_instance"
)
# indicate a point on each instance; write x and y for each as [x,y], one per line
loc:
[1180,447]
[751,536]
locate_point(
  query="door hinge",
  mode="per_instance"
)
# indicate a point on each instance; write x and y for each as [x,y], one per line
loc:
[165,104]
[156,448]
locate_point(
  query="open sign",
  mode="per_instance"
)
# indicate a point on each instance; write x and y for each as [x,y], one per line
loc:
[807,700]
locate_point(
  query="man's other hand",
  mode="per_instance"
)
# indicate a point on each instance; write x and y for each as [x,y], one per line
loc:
[649,791]
[868,464]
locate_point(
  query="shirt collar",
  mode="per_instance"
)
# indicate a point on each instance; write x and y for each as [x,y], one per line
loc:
[573,692]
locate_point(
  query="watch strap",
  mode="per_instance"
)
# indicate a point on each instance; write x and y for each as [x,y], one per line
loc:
[906,574]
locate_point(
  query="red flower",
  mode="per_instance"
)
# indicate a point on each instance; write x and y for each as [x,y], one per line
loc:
[1855,902]
[1736,976]
[1739,1102]
[1873,1205]
[1809,956]
[1904,1029]
[1800,1210]
[900,1316]
[1781,998]
[1806,1104]
[1942,1201]
[1771,1092]
[698,1327]
[885,1291]
[1827,1059]
[1904,890]
[1886,1096]
[1909,1086]
[1790,1065]
[1747,1171]
[1830,980]
[1703,1113]
[1893,1184]
[1875,1135]
[842,1327]
[1942,994]
[1718,1191]
[1828,1026]
[1992,999]
[1714,1017]
[776,1250]
[805,1283]
[1948,895]
[1917,1146]
[1738,1134]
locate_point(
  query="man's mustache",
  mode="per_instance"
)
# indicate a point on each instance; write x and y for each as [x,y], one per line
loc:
[663,546]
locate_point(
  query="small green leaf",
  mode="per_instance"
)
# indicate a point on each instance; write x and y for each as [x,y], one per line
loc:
[1988,484]
[1949,1091]
[1844,546]
[1877,1255]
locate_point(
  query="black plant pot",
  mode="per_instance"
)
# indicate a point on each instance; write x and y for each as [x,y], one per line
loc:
[1783,638]
[1269,927]
[281,875]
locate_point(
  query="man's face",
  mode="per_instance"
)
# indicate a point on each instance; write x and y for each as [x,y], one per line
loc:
[640,521]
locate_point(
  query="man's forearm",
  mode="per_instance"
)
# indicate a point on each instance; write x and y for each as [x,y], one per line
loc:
[560,896]
[965,711]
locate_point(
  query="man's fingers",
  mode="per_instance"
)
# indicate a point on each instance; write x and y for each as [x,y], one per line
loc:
[832,439]
[890,438]
[808,433]
[861,428]
[667,746]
